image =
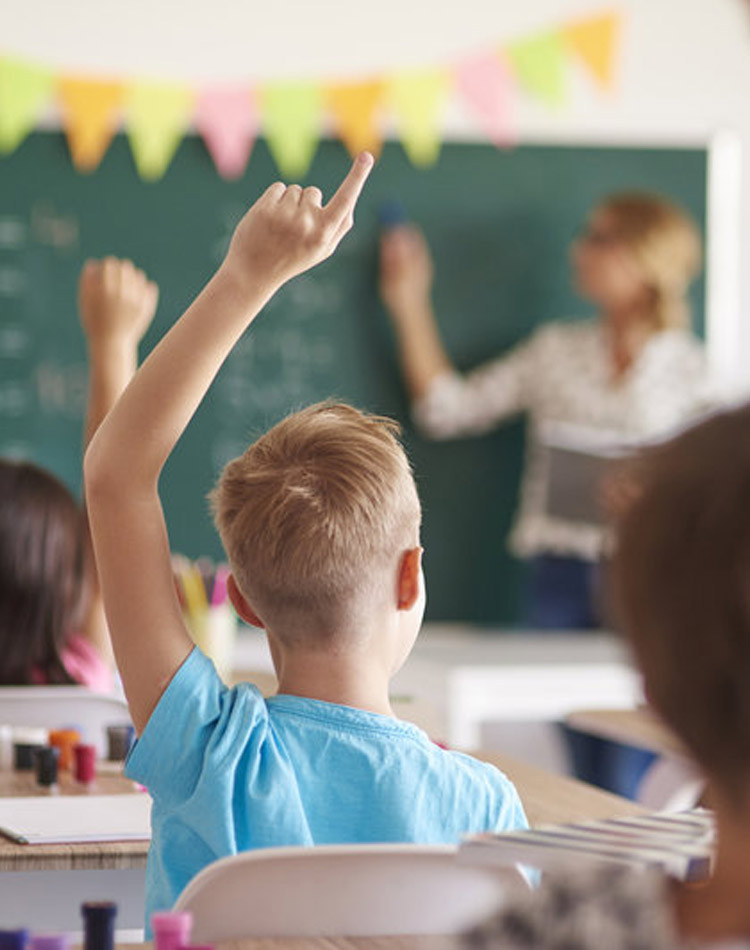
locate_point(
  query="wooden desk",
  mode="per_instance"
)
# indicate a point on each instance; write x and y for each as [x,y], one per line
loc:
[638,727]
[109,855]
[47,883]
[555,799]
[325,943]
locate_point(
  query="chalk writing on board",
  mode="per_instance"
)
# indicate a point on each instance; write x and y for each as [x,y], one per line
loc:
[15,398]
[61,390]
[13,233]
[15,341]
[54,228]
[12,281]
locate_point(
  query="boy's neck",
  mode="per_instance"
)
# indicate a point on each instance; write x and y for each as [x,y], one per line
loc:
[348,679]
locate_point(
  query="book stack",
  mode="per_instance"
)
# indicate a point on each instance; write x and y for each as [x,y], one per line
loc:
[679,843]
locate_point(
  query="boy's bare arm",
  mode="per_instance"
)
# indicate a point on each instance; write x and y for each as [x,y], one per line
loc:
[116,304]
[286,232]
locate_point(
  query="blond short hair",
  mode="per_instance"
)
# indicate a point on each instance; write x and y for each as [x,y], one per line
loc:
[317,511]
[666,243]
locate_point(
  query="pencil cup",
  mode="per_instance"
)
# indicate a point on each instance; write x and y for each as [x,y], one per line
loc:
[214,632]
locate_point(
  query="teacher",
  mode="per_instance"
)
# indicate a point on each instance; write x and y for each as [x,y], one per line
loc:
[635,372]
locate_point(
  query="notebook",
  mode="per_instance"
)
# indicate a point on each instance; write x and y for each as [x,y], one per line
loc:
[680,843]
[71,819]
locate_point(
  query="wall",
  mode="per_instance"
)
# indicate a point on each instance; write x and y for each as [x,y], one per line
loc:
[685,70]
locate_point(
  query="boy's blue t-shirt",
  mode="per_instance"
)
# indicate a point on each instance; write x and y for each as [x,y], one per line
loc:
[229,771]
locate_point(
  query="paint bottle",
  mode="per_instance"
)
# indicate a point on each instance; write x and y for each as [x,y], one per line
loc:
[45,763]
[85,763]
[13,939]
[171,930]
[49,942]
[99,925]
[65,740]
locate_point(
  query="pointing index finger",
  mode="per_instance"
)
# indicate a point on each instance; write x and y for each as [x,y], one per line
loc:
[348,192]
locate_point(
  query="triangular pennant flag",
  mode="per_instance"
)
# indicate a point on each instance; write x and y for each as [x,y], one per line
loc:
[595,40]
[539,63]
[417,100]
[486,83]
[291,121]
[25,90]
[157,116]
[355,110]
[225,116]
[90,113]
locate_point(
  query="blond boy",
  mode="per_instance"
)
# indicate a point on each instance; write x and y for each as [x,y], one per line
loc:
[320,519]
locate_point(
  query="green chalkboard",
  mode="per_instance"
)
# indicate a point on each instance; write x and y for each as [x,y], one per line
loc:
[499,224]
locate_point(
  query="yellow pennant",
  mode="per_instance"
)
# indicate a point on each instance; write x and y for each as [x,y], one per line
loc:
[25,90]
[417,100]
[355,109]
[157,115]
[291,113]
[595,40]
[90,117]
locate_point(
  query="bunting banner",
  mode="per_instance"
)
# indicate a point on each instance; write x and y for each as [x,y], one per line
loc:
[157,116]
[355,108]
[226,119]
[417,100]
[595,40]
[487,86]
[539,65]
[25,90]
[90,111]
[292,115]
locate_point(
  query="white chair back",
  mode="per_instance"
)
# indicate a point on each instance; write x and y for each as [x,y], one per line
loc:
[54,707]
[342,890]
[672,783]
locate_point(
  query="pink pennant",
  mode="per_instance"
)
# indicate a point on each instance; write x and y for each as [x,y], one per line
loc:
[226,118]
[487,85]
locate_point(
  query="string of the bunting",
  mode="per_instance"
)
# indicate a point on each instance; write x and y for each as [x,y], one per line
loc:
[291,115]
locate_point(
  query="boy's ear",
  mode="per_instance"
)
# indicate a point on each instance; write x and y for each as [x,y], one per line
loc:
[241,605]
[407,584]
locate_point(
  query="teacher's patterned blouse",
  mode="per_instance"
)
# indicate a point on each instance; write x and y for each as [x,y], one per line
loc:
[561,377]
[604,907]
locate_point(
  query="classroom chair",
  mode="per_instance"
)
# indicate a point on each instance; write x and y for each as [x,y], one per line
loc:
[342,890]
[672,783]
[55,707]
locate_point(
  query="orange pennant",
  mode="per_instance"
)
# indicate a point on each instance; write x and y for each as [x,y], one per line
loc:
[355,109]
[595,40]
[90,110]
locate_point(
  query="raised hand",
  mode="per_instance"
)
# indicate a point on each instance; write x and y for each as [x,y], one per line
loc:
[289,230]
[405,270]
[116,301]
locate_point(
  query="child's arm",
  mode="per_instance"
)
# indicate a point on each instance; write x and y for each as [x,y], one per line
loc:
[286,232]
[116,304]
[405,282]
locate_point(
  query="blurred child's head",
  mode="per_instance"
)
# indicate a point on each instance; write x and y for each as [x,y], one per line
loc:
[44,573]
[639,252]
[682,591]
[316,518]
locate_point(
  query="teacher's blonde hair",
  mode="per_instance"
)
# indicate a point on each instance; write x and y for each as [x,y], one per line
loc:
[666,243]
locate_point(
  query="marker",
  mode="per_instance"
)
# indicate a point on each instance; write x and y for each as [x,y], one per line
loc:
[219,593]
[392,213]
